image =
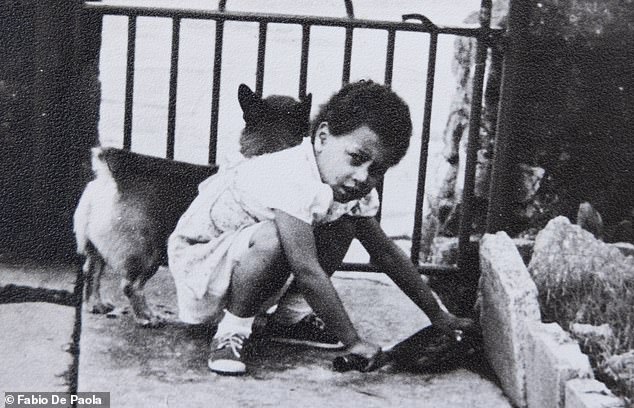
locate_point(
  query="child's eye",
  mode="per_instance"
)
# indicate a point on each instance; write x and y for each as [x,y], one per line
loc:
[357,159]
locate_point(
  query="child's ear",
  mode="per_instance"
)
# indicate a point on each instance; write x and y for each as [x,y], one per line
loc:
[321,134]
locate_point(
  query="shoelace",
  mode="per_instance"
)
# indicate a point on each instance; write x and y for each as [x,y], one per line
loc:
[235,341]
[317,322]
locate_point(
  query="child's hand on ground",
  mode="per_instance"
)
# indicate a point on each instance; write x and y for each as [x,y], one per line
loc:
[452,325]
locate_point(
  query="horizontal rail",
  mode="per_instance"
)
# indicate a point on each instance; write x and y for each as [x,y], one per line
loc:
[344,22]
[426,268]
[222,5]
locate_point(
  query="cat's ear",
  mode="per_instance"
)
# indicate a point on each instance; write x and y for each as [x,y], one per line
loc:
[250,102]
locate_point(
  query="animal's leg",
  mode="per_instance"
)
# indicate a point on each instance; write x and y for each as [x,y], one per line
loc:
[93,271]
[133,287]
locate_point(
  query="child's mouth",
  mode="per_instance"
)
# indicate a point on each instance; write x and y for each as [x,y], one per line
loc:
[349,194]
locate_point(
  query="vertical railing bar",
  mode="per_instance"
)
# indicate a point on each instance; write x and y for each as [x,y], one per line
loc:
[81,56]
[171,112]
[347,56]
[389,58]
[424,149]
[347,49]
[259,75]
[129,84]
[349,8]
[389,69]
[473,142]
[215,94]
[303,69]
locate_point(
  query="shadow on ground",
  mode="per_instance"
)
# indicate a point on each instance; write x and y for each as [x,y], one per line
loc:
[166,367]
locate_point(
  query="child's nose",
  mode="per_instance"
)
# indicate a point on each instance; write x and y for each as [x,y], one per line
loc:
[361,175]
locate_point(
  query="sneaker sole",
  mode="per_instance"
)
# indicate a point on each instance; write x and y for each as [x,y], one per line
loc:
[326,346]
[227,367]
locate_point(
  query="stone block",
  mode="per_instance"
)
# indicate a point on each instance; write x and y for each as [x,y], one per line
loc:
[35,339]
[553,358]
[588,393]
[508,299]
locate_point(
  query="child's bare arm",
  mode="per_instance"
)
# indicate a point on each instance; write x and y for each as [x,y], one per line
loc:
[299,247]
[395,263]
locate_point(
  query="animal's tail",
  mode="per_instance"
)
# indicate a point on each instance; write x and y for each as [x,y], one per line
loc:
[81,219]
[99,163]
[83,212]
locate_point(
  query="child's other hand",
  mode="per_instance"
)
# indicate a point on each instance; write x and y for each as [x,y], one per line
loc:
[452,325]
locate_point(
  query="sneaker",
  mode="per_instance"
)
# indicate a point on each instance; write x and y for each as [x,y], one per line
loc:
[226,355]
[310,331]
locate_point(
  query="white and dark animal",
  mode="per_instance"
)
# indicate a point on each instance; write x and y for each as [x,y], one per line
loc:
[126,213]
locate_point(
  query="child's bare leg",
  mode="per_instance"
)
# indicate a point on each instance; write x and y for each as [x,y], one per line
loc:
[260,273]
[332,240]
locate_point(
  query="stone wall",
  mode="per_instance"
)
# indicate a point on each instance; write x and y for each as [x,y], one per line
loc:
[49,98]
[538,364]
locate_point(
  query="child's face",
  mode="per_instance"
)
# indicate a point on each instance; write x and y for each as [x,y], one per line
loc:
[352,163]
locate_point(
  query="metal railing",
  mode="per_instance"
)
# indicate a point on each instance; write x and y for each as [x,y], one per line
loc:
[484,35]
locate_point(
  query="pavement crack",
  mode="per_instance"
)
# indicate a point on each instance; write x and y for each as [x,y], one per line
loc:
[368,393]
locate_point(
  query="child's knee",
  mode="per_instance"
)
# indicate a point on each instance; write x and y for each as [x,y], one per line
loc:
[266,241]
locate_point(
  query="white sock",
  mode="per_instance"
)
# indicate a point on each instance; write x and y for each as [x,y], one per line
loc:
[231,323]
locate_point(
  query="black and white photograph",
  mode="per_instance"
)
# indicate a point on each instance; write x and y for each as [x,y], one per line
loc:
[317,203]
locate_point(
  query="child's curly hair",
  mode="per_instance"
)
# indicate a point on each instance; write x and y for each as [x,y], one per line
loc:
[368,103]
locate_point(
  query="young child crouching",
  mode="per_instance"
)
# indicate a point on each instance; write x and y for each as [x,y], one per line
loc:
[295,213]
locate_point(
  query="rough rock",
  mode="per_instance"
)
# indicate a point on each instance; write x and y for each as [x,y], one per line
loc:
[589,219]
[622,366]
[508,301]
[590,331]
[626,248]
[564,251]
